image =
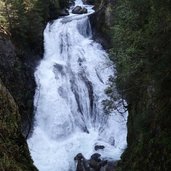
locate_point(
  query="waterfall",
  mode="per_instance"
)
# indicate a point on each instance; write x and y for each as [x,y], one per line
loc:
[71,80]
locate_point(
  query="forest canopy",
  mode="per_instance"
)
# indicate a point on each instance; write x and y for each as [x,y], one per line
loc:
[25,20]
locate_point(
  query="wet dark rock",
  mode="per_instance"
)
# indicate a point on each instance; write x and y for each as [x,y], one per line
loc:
[84,10]
[93,164]
[59,67]
[76,10]
[103,163]
[90,91]
[79,10]
[79,156]
[82,163]
[99,147]
[96,157]
[86,130]
[96,163]
[64,12]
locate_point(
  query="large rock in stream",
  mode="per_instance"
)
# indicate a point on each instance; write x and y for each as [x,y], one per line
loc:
[82,163]
[95,163]
[79,10]
[99,147]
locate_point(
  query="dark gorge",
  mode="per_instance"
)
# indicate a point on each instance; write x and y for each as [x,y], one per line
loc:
[137,38]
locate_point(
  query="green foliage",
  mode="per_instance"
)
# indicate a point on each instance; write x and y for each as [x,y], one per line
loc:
[141,37]
[141,50]
[14,154]
[26,19]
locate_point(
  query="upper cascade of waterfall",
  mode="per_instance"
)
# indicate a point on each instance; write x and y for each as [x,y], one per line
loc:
[79,2]
[71,81]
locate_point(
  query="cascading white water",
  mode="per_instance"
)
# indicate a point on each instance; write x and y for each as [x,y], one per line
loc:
[69,116]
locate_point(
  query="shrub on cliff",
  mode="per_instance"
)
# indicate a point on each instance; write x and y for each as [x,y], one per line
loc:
[141,51]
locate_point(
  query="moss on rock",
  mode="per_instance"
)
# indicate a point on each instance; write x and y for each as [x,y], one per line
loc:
[14,153]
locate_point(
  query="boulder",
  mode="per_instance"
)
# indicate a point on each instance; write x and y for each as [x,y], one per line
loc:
[103,163]
[96,157]
[76,9]
[79,10]
[94,164]
[79,156]
[84,10]
[82,163]
[99,147]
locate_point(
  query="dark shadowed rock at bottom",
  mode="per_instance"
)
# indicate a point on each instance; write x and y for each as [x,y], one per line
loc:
[96,157]
[95,163]
[82,163]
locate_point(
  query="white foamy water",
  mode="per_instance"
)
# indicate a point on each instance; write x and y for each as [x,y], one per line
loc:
[69,116]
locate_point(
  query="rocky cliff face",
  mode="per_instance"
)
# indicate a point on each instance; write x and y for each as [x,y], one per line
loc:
[101,21]
[14,154]
[149,140]
[17,75]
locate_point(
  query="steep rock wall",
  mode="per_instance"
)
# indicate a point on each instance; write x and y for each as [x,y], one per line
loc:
[14,154]
[101,22]
[19,79]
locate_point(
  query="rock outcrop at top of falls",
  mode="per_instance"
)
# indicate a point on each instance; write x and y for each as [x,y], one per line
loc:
[64,12]
[79,10]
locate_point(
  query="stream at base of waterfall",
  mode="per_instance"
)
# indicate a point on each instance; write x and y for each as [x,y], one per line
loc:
[71,81]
